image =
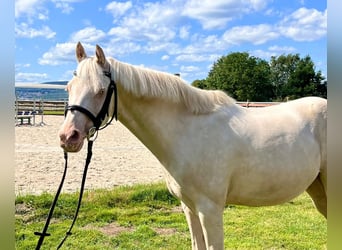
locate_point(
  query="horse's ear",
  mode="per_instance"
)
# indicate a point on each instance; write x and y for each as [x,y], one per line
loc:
[80,52]
[100,56]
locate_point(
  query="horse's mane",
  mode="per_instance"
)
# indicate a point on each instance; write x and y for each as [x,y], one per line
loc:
[150,83]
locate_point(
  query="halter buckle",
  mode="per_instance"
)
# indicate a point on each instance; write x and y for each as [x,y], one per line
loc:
[92,134]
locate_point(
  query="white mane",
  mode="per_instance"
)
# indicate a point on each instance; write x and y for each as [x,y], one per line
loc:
[150,83]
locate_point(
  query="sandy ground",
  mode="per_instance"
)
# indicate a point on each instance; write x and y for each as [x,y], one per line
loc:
[119,158]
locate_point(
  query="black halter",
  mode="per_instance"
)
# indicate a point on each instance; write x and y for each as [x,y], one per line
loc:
[98,120]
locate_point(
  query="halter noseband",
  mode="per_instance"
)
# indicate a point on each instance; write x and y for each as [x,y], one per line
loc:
[98,120]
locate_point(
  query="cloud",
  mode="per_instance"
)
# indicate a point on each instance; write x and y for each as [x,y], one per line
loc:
[62,53]
[189,68]
[118,9]
[283,49]
[273,50]
[65,5]
[22,65]
[149,22]
[88,35]
[216,14]
[117,48]
[23,30]
[304,25]
[184,32]
[255,34]
[165,57]
[28,7]
[30,77]
[197,57]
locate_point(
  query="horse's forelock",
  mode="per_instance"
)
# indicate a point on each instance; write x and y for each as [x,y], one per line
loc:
[91,74]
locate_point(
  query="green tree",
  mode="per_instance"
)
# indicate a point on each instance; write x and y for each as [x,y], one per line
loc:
[282,68]
[200,84]
[245,77]
[242,76]
[304,81]
[294,77]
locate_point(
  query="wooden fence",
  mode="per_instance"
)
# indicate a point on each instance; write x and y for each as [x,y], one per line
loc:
[256,104]
[39,106]
[27,112]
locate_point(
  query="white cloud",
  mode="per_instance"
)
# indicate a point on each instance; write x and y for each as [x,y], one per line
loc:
[197,57]
[283,49]
[205,44]
[65,5]
[264,54]
[184,32]
[117,48]
[62,53]
[216,14]
[165,57]
[150,22]
[255,34]
[274,50]
[189,68]
[23,30]
[117,9]
[30,77]
[28,7]
[88,35]
[304,25]
[20,65]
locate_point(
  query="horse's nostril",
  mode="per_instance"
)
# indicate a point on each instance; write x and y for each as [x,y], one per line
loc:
[74,135]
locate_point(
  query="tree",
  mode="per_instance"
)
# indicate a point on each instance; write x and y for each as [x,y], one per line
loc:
[242,76]
[200,84]
[245,77]
[294,77]
[282,68]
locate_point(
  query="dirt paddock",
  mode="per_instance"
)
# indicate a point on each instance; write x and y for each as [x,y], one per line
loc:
[119,158]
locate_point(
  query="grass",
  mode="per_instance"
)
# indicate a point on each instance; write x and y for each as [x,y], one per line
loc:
[53,112]
[148,217]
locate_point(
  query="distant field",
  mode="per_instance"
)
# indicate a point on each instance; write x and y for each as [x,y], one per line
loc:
[148,217]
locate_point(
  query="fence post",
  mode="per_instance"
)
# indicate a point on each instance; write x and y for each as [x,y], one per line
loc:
[34,112]
[42,112]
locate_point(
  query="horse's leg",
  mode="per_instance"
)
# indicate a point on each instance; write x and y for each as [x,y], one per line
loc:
[197,237]
[317,191]
[211,217]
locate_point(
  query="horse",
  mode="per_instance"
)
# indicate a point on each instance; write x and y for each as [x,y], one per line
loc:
[214,152]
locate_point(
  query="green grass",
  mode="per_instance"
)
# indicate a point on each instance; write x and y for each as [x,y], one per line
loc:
[148,217]
[53,112]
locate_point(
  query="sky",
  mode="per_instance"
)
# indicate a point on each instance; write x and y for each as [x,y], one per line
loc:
[175,36]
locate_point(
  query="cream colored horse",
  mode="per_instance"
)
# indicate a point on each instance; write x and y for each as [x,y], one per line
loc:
[214,151]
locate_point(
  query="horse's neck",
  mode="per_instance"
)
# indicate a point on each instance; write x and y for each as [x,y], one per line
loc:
[152,121]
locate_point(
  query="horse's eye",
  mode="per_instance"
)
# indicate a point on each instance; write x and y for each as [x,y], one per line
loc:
[75,73]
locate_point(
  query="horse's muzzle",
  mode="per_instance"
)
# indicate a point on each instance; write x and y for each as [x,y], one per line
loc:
[71,140]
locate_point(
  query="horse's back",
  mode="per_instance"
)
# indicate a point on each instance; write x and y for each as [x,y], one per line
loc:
[314,109]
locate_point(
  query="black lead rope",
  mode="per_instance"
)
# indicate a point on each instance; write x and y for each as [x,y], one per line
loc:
[68,233]
[92,133]
[44,233]
[89,154]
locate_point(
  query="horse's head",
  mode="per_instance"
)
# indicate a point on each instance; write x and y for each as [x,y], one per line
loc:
[91,99]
